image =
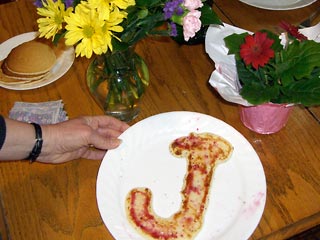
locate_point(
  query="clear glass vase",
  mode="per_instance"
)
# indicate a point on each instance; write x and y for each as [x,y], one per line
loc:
[117,81]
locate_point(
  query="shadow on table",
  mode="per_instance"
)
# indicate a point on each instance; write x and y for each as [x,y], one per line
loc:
[3,2]
[311,234]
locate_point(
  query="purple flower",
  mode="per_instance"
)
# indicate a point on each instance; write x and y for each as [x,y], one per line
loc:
[38,3]
[67,3]
[173,28]
[179,10]
[172,7]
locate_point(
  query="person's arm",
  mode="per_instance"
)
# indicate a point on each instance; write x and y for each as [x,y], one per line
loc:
[3,131]
[83,137]
[19,140]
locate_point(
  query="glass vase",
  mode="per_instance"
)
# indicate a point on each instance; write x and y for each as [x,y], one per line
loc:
[117,81]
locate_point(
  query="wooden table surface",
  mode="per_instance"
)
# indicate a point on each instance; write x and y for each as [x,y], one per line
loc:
[57,202]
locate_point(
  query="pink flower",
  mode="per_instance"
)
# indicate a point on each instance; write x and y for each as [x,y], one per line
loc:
[192,4]
[191,24]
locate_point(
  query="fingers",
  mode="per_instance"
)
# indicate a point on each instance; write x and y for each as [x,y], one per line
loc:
[108,129]
[108,132]
[107,122]
[103,142]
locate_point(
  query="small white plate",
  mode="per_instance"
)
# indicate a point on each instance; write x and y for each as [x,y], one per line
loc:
[278,4]
[238,189]
[63,63]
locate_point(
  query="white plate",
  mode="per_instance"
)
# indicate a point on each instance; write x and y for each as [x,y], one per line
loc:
[64,62]
[278,4]
[238,189]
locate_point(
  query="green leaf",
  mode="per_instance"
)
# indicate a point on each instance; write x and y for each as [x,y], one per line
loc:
[257,93]
[136,28]
[208,16]
[142,13]
[234,41]
[306,91]
[164,33]
[75,3]
[254,89]
[299,61]
[147,3]
[118,46]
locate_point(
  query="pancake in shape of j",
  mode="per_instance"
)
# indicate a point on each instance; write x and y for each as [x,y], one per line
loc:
[203,152]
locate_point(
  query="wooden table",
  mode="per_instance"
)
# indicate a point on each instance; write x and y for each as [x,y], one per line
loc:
[56,202]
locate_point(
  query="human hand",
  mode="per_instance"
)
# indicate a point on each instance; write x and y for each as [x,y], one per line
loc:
[83,137]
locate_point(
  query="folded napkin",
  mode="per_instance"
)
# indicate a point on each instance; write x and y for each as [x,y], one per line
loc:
[225,78]
[41,113]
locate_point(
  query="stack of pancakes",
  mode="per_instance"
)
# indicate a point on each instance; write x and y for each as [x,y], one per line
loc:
[29,62]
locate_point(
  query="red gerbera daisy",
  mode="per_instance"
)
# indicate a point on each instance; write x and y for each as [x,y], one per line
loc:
[257,50]
[292,30]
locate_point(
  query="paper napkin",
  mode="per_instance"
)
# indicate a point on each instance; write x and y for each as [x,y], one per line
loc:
[42,113]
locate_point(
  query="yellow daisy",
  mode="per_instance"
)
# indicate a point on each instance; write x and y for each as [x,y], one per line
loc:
[53,17]
[88,32]
[123,4]
[104,7]
[112,25]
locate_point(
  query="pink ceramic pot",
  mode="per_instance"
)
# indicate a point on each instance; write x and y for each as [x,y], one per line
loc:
[265,118]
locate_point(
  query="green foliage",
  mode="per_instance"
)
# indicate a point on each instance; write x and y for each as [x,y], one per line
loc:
[306,91]
[233,43]
[208,16]
[142,19]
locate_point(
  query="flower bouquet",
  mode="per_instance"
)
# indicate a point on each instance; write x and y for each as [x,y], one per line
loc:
[117,77]
[96,26]
[265,68]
